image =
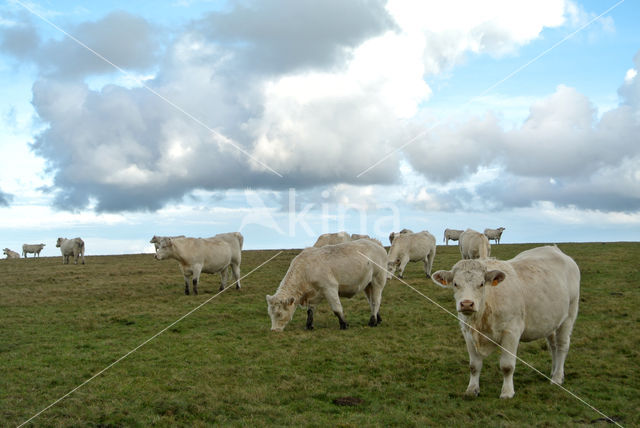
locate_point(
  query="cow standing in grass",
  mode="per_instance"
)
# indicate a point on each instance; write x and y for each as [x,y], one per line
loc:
[71,247]
[494,234]
[451,234]
[198,255]
[330,272]
[32,248]
[411,247]
[474,245]
[532,296]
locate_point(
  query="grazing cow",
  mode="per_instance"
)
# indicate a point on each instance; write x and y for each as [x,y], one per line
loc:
[532,296]
[332,271]
[71,247]
[474,245]
[332,239]
[32,248]
[10,254]
[451,234]
[157,240]
[411,247]
[197,255]
[494,234]
[392,235]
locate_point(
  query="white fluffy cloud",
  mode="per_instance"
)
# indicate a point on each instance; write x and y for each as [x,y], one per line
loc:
[317,99]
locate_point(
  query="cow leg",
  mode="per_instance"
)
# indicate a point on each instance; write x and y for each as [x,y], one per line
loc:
[310,310]
[509,344]
[224,273]
[428,263]
[331,294]
[403,264]
[235,268]
[563,339]
[475,367]
[186,285]
[374,294]
[553,349]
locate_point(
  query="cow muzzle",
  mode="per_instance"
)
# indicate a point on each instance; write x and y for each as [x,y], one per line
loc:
[467,307]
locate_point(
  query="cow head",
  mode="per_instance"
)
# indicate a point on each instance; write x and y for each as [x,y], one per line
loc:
[392,267]
[59,242]
[165,250]
[468,279]
[281,311]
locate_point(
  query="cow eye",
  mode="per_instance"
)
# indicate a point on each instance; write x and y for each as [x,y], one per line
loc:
[481,284]
[455,284]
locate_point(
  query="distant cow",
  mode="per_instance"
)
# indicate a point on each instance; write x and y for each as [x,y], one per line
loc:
[494,234]
[71,247]
[156,240]
[411,247]
[332,239]
[198,255]
[392,235]
[532,296]
[451,234]
[332,271]
[474,245]
[11,254]
[32,248]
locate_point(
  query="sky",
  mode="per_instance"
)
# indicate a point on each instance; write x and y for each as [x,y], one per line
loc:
[285,119]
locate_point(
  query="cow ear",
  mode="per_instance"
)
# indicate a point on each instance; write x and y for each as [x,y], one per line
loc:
[269,299]
[290,301]
[443,278]
[494,277]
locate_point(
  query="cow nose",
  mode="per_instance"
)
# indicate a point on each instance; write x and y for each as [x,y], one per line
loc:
[466,306]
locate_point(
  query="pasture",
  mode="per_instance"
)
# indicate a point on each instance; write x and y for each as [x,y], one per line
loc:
[61,324]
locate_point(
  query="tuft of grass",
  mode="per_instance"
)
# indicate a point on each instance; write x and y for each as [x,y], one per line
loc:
[62,324]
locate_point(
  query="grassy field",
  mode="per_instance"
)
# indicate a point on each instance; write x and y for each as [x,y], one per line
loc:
[61,324]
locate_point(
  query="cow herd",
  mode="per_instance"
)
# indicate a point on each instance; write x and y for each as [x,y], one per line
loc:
[68,247]
[499,303]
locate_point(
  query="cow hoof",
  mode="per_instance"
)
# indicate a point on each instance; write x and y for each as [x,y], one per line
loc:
[237,286]
[428,276]
[372,321]
[309,327]
[472,392]
[344,326]
[221,288]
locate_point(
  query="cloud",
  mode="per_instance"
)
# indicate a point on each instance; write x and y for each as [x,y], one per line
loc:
[562,153]
[318,91]
[5,198]
[272,36]
[128,41]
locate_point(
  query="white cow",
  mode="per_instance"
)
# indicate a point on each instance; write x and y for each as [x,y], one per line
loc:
[332,271]
[451,234]
[411,247]
[32,248]
[197,255]
[10,254]
[71,247]
[332,239]
[392,235]
[532,296]
[474,245]
[494,234]
[157,240]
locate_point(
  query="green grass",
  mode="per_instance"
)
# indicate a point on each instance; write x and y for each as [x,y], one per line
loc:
[61,324]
